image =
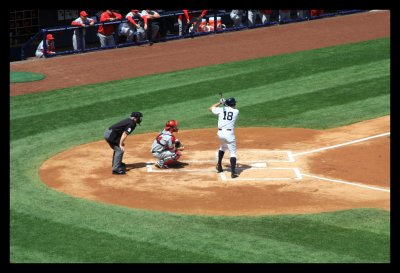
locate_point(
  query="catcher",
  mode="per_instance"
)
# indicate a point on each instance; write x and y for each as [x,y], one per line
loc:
[166,147]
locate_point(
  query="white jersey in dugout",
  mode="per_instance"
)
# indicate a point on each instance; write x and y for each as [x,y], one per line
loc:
[227,117]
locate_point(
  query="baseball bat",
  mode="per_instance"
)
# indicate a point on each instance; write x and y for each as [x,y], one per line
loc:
[221,96]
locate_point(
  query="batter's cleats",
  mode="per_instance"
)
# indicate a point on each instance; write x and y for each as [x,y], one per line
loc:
[234,175]
[219,168]
[119,172]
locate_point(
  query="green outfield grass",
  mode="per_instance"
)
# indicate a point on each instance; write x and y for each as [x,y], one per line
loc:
[318,89]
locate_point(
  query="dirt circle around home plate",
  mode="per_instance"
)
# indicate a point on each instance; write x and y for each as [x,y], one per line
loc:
[282,171]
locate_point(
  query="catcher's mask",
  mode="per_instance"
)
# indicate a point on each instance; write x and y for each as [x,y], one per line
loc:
[138,117]
[230,102]
[172,125]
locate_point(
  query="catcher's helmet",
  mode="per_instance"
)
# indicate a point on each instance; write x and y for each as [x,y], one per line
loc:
[172,124]
[230,102]
[138,117]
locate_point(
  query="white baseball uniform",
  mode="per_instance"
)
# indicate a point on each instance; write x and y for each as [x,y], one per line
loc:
[236,16]
[78,38]
[40,49]
[129,30]
[227,117]
[154,27]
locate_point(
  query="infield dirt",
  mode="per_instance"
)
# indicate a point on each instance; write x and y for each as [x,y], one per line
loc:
[196,188]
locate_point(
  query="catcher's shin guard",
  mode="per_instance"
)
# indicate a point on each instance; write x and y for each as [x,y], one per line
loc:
[178,154]
[173,159]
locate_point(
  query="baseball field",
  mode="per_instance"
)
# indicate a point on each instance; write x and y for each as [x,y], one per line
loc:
[313,144]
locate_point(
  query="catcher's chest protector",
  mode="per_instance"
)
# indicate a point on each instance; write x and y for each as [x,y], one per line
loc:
[160,137]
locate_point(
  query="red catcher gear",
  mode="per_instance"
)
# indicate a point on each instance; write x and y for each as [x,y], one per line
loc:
[173,125]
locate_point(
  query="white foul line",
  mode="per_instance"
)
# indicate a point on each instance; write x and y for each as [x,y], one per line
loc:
[343,144]
[298,174]
[348,183]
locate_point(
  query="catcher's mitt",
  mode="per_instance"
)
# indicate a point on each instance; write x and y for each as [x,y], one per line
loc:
[179,146]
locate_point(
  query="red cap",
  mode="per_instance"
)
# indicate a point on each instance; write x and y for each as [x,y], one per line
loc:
[135,10]
[49,37]
[83,13]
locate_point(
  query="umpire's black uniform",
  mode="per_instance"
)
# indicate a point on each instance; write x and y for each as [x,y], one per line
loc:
[113,137]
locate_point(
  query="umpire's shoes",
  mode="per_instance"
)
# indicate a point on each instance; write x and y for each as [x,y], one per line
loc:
[219,168]
[234,175]
[119,172]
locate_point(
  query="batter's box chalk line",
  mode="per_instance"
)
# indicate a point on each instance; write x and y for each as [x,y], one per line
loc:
[149,167]
[289,155]
[296,172]
[253,164]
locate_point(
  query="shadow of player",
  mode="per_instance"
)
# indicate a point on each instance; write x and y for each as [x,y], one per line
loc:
[240,168]
[135,165]
[178,165]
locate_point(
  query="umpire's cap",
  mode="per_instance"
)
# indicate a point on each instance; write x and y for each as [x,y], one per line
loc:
[138,116]
[230,102]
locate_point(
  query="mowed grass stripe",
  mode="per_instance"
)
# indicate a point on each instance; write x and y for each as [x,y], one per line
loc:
[290,107]
[79,244]
[231,76]
[322,109]
[243,239]
[101,110]
[266,87]
[257,113]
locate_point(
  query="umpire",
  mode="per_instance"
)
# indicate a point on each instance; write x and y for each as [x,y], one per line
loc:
[115,137]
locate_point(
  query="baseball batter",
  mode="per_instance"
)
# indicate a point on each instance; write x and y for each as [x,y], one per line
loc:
[227,116]
[166,147]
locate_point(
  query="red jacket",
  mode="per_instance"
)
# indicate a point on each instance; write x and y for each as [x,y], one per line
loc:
[316,12]
[266,11]
[190,16]
[107,30]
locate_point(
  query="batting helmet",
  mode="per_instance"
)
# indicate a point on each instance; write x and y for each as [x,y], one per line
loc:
[230,102]
[172,125]
[138,117]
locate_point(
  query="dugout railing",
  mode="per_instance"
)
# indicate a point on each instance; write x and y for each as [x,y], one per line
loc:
[228,27]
